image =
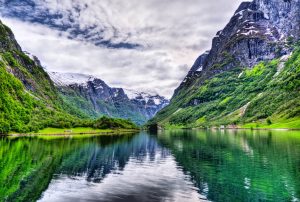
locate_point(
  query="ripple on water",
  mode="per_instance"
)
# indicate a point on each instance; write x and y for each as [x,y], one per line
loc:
[153,178]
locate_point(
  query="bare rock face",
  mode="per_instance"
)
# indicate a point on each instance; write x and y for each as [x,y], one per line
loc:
[258,31]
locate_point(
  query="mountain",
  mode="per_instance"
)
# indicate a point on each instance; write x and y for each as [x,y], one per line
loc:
[250,75]
[29,100]
[95,98]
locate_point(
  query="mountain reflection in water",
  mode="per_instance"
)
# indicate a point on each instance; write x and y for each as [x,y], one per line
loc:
[183,165]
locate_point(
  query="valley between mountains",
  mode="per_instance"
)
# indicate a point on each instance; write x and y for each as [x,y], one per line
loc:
[32,99]
[250,78]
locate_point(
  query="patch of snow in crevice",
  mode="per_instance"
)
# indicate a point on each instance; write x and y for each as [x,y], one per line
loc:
[266,16]
[99,87]
[250,32]
[199,69]
[116,94]
[157,101]
[268,32]
[282,36]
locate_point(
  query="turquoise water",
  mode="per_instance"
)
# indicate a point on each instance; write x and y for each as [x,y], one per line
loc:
[183,165]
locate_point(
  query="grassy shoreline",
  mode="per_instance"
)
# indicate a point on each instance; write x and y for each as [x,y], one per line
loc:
[74,131]
[232,128]
[289,124]
[249,126]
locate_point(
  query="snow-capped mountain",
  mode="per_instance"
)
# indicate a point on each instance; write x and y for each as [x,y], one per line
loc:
[151,103]
[66,79]
[147,97]
[95,97]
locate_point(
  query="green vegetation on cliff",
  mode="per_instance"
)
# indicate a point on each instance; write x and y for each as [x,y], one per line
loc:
[266,95]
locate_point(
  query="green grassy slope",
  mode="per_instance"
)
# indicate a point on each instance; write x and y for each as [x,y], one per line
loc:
[264,96]
[35,106]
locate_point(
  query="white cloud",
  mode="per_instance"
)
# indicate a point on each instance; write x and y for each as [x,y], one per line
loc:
[173,33]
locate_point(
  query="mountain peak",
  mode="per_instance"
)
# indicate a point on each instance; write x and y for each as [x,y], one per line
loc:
[258,31]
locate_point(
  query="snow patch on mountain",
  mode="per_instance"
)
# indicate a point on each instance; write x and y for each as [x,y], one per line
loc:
[133,94]
[144,98]
[66,79]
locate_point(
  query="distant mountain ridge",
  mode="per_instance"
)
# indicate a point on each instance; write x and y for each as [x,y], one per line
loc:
[94,97]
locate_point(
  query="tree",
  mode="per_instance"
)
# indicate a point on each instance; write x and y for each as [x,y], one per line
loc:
[4,126]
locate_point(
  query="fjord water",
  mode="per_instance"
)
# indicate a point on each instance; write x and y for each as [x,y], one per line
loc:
[181,165]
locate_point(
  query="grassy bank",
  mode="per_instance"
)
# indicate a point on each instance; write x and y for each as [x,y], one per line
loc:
[290,124]
[81,131]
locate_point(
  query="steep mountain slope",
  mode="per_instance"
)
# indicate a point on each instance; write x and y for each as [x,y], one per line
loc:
[248,75]
[29,101]
[95,98]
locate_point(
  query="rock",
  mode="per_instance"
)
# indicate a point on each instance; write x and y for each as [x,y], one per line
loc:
[258,31]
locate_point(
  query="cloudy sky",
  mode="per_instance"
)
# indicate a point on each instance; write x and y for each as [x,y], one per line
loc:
[135,44]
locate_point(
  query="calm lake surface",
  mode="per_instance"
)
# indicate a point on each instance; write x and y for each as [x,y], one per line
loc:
[183,166]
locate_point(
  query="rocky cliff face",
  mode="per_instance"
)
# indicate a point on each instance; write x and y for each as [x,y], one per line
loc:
[258,31]
[24,67]
[249,75]
[96,98]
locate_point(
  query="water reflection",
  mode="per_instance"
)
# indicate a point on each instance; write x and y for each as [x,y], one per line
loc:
[169,166]
[239,165]
[137,170]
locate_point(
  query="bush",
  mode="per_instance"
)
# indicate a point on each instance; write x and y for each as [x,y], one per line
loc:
[269,122]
